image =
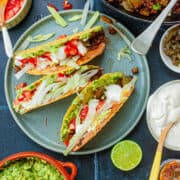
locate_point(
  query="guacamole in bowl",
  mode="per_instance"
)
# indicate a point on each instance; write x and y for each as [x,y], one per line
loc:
[30,168]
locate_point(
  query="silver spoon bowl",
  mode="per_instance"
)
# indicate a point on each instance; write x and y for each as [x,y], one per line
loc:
[144,41]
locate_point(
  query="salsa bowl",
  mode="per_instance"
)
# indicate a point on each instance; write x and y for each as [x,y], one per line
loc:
[20,15]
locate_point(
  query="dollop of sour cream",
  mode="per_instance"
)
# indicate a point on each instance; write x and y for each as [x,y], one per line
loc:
[113,92]
[165,108]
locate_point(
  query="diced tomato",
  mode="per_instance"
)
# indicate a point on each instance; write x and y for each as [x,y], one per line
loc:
[46,56]
[73,52]
[67,5]
[21,85]
[53,6]
[31,60]
[16,9]
[21,97]
[71,48]
[66,142]
[12,8]
[72,124]
[24,61]
[27,94]
[100,104]
[62,36]
[84,112]
[61,76]
[72,43]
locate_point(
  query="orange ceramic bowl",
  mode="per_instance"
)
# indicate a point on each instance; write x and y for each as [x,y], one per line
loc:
[60,166]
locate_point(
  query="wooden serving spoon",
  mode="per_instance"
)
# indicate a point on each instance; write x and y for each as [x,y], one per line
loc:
[157,159]
[6,38]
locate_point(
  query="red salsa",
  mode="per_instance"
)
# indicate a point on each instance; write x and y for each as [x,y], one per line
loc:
[12,8]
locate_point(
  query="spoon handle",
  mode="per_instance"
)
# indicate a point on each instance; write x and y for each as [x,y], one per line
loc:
[7,42]
[157,159]
[143,42]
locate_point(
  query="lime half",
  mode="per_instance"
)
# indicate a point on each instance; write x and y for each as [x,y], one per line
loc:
[126,155]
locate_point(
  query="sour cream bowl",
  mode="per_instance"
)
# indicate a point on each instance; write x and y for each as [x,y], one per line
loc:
[163,107]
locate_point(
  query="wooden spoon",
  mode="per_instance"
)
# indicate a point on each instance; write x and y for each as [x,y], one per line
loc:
[6,38]
[157,159]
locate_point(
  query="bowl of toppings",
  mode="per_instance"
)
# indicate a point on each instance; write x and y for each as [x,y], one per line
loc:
[170,169]
[35,165]
[163,107]
[170,48]
[16,11]
[143,10]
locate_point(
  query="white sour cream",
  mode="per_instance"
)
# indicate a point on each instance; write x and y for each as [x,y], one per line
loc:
[164,107]
[113,93]
[81,48]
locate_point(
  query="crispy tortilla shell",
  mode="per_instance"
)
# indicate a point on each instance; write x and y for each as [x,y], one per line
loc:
[90,135]
[62,96]
[90,55]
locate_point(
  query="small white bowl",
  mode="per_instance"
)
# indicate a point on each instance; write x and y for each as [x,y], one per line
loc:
[166,59]
[20,15]
[174,147]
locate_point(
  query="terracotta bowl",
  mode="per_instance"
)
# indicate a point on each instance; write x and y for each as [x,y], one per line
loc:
[60,166]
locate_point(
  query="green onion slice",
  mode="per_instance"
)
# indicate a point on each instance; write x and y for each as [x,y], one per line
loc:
[92,21]
[41,37]
[59,19]
[75,18]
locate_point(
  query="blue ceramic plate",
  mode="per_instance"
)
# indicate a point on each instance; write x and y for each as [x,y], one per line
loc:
[42,125]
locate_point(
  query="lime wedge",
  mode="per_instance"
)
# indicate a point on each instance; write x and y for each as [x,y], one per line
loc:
[126,155]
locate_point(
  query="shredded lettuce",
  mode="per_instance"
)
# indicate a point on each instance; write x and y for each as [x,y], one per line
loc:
[92,21]
[20,73]
[75,18]
[124,53]
[41,37]
[59,19]
[75,30]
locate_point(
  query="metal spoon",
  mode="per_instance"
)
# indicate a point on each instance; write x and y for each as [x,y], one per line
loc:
[143,42]
[6,38]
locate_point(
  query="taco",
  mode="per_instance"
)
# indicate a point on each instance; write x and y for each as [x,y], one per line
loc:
[53,87]
[94,108]
[61,54]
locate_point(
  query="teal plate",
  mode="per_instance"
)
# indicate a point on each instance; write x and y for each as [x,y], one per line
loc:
[42,125]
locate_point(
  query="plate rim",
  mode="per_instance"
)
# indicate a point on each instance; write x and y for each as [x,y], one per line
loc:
[44,145]
[168,23]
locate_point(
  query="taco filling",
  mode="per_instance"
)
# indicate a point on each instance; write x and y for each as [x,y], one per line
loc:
[53,87]
[93,106]
[66,51]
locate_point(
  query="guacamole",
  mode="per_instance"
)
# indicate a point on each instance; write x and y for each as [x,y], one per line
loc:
[29,169]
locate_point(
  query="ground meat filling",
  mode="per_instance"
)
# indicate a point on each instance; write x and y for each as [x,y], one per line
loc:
[145,7]
[95,39]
